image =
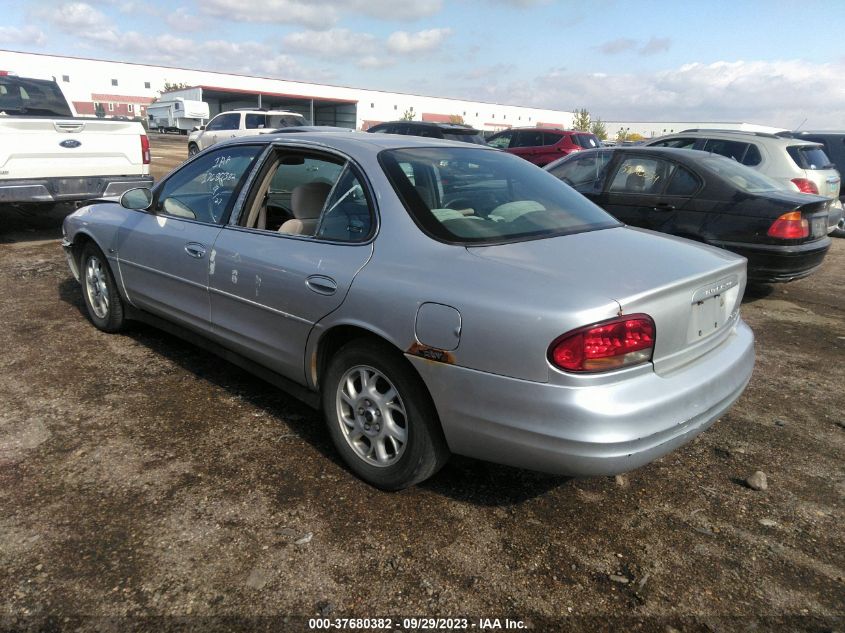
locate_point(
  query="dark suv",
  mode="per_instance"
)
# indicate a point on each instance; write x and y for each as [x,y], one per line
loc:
[449,131]
[541,145]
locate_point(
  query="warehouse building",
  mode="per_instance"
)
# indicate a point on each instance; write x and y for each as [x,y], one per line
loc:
[126,89]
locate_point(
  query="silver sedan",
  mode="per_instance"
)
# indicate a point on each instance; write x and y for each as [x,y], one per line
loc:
[431,297]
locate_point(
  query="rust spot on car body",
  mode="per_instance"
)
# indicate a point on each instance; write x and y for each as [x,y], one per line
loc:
[431,353]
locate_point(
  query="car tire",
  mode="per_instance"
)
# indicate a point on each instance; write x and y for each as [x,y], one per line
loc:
[193,149]
[381,417]
[99,291]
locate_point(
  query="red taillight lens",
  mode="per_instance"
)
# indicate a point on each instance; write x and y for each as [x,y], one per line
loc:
[790,226]
[145,149]
[805,186]
[608,345]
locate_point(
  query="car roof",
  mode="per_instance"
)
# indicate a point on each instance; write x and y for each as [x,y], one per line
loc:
[764,137]
[351,142]
[462,127]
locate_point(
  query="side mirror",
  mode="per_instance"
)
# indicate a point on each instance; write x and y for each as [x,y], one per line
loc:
[194,129]
[138,199]
[202,127]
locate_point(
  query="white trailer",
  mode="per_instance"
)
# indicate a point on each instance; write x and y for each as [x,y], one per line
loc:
[177,115]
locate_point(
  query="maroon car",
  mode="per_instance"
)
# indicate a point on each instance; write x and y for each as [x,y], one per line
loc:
[542,145]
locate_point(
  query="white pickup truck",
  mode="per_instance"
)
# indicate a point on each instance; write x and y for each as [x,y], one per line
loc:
[48,155]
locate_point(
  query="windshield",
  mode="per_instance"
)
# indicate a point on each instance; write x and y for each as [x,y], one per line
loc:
[809,156]
[745,178]
[476,196]
[32,97]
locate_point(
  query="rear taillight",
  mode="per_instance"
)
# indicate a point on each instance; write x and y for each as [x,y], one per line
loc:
[145,149]
[805,186]
[608,345]
[790,226]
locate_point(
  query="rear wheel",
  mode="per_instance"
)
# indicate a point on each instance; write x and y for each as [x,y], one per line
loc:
[380,416]
[102,300]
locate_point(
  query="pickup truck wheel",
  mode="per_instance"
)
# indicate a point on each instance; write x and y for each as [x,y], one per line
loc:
[193,149]
[381,418]
[105,307]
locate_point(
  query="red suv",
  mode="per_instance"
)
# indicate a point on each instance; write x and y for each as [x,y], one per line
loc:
[542,145]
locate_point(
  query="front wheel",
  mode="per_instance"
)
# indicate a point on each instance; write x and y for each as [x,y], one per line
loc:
[381,418]
[193,149]
[102,300]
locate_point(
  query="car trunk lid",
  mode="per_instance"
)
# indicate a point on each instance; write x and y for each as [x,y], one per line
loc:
[690,290]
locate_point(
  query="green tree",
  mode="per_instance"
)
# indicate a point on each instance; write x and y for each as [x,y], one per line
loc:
[581,120]
[408,115]
[598,128]
[456,118]
[168,87]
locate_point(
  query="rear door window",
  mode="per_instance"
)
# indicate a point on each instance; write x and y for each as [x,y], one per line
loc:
[256,121]
[584,173]
[528,138]
[809,157]
[729,149]
[642,175]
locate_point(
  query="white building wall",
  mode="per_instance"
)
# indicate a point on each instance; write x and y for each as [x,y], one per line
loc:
[88,76]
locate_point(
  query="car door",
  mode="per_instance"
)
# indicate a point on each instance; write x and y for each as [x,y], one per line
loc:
[271,284]
[220,128]
[637,192]
[164,254]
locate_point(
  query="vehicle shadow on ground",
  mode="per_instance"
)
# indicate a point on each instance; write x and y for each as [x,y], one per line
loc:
[755,292]
[31,225]
[462,479]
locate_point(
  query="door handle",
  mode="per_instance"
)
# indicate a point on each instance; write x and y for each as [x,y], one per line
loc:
[195,249]
[664,206]
[321,285]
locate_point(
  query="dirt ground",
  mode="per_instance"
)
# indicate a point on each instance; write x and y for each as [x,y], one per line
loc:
[147,485]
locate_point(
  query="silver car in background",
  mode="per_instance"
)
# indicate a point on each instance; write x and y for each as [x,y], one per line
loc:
[433,297]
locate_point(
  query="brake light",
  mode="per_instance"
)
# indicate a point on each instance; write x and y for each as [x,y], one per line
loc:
[790,226]
[805,186]
[3,73]
[145,149]
[607,345]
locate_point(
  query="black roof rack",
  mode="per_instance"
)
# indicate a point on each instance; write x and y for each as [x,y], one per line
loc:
[749,132]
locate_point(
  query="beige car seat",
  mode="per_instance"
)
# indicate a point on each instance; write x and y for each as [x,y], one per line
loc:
[306,202]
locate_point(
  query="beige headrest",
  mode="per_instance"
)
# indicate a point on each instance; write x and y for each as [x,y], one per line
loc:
[307,200]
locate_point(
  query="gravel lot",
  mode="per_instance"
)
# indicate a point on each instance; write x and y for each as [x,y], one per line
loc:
[147,485]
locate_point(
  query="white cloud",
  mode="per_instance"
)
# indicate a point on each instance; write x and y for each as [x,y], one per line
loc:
[74,16]
[777,93]
[27,35]
[619,45]
[318,15]
[331,44]
[404,43]
[656,45]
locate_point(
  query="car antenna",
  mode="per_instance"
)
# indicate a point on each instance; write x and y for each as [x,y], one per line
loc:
[802,123]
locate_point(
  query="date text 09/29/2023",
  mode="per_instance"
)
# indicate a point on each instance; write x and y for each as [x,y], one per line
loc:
[416,624]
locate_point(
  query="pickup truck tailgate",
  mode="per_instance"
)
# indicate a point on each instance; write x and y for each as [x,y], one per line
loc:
[49,148]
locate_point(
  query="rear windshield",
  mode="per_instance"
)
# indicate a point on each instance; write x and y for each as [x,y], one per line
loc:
[587,141]
[476,196]
[809,157]
[744,178]
[32,97]
[468,136]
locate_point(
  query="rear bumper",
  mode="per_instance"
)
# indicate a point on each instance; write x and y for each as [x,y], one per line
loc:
[591,430]
[774,263]
[52,190]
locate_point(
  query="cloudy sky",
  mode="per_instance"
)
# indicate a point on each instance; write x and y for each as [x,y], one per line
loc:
[645,60]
